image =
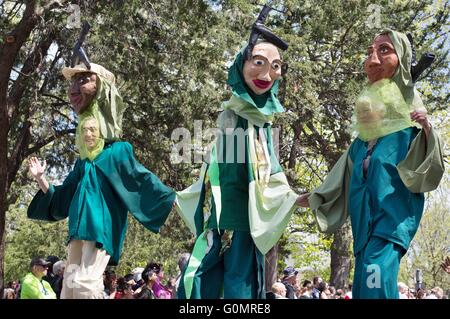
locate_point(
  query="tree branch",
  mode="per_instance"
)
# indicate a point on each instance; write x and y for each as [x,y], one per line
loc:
[44,142]
[15,160]
[29,67]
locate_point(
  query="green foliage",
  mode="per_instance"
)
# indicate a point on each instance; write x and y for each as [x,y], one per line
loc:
[26,239]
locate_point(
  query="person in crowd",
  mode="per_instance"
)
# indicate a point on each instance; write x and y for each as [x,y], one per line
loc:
[289,280]
[306,290]
[150,278]
[33,286]
[279,290]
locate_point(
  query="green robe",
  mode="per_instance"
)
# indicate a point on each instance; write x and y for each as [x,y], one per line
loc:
[97,195]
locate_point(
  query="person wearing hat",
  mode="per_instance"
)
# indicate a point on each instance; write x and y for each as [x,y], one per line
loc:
[33,286]
[290,282]
[380,180]
[241,204]
[105,184]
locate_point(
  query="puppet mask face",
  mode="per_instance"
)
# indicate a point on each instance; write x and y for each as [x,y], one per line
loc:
[382,60]
[91,133]
[82,90]
[261,71]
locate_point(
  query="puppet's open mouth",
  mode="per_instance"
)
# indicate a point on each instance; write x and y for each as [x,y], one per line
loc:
[262,84]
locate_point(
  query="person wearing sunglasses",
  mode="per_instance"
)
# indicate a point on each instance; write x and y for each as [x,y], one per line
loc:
[33,286]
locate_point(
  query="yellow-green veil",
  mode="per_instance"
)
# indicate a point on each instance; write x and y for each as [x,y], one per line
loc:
[384,107]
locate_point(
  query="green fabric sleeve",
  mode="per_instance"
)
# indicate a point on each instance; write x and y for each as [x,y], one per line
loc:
[329,201]
[422,169]
[142,192]
[54,205]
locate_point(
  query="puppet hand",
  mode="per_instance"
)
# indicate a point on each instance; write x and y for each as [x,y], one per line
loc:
[420,116]
[302,200]
[35,167]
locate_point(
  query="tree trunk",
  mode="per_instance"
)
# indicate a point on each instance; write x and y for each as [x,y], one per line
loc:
[3,207]
[8,54]
[271,267]
[341,259]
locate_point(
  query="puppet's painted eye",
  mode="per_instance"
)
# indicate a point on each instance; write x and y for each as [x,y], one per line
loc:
[276,65]
[259,62]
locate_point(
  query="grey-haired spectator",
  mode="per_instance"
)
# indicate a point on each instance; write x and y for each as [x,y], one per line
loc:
[9,293]
[58,272]
[137,276]
[279,290]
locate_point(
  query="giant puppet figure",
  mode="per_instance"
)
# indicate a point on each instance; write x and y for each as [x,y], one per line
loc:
[105,184]
[380,180]
[242,202]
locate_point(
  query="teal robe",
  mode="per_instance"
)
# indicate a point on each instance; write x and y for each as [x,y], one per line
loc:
[384,214]
[381,205]
[385,207]
[97,195]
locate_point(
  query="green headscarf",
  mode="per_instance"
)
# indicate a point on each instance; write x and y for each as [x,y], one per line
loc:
[266,103]
[402,75]
[108,109]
